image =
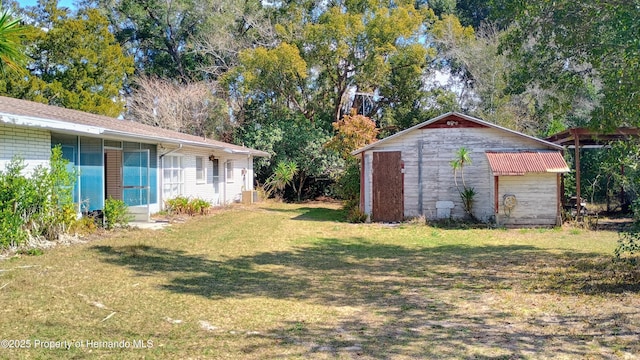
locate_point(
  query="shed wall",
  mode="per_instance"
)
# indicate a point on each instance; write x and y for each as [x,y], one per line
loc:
[537,199]
[439,146]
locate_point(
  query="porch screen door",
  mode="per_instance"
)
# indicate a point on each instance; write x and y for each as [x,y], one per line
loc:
[135,177]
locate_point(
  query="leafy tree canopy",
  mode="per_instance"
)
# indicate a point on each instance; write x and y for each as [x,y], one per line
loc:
[579,50]
[76,62]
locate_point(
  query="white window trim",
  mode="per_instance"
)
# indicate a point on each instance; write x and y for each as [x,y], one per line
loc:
[229,174]
[203,180]
[181,176]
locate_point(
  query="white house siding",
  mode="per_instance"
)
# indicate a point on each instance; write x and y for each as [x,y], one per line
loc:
[32,145]
[536,196]
[216,188]
[439,148]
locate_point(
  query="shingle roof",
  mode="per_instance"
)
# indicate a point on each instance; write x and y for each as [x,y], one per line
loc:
[504,163]
[113,126]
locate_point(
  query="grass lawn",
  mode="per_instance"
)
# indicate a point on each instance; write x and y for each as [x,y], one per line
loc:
[292,281]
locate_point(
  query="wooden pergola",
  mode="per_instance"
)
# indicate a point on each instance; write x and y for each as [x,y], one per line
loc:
[584,137]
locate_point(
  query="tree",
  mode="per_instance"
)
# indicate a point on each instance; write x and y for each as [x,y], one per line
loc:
[190,108]
[352,132]
[11,50]
[482,74]
[77,63]
[578,51]
[289,137]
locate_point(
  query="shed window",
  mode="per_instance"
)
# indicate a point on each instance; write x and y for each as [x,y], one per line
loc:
[199,169]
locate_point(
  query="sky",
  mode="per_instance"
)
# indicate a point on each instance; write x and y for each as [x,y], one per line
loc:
[61,3]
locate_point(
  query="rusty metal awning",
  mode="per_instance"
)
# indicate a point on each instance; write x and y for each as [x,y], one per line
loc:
[518,163]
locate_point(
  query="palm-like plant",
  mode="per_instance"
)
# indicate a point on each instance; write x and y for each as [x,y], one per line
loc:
[282,176]
[467,194]
[11,54]
[463,157]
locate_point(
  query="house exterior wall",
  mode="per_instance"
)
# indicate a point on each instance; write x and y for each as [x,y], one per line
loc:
[223,187]
[439,146]
[32,145]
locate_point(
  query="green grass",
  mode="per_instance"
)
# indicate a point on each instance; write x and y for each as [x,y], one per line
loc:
[294,281]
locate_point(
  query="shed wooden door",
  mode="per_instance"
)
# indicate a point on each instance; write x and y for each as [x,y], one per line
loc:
[388,194]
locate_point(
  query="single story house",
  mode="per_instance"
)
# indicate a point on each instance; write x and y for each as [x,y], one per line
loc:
[516,177]
[140,164]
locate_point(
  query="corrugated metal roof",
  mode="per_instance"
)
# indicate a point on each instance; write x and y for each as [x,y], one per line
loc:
[504,163]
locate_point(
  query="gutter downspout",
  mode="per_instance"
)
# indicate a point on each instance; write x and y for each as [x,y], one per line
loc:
[420,206]
[224,183]
[162,173]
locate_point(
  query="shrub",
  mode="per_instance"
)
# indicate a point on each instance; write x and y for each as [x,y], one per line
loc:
[628,244]
[17,197]
[116,213]
[181,205]
[39,205]
[355,215]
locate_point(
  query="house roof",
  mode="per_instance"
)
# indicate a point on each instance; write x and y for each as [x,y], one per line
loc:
[33,114]
[504,163]
[467,118]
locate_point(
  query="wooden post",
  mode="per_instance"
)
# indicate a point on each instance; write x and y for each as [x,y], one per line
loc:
[496,197]
[362,169]
[576,142]
[560,189]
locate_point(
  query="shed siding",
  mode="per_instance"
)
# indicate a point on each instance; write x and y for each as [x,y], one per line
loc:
[439,148]
[536,195]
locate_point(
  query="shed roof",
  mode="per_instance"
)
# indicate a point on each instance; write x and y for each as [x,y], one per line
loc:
[457,115]
[505,163]
[32,114]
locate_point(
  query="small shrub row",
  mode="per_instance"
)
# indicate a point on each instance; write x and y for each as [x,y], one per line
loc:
[182,205]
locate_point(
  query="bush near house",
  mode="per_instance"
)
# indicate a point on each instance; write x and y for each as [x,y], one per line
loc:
[116,213]
[181,205]
[36,205]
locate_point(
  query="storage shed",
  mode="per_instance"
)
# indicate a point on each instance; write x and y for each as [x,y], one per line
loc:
[516,177]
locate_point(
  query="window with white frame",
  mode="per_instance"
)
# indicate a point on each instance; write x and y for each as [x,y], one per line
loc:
[200,176]
[230,171]
[172,177]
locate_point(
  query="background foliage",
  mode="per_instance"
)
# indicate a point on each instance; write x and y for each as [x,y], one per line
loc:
[277,75]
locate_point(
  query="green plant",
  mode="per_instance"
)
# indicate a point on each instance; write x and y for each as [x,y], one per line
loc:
[183,205]
[628,244]
[39,205]
[31,252]
[355,215]
[467,194]
[178,205]
[282,176]
[198,206]
[116,213]
[16,198]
